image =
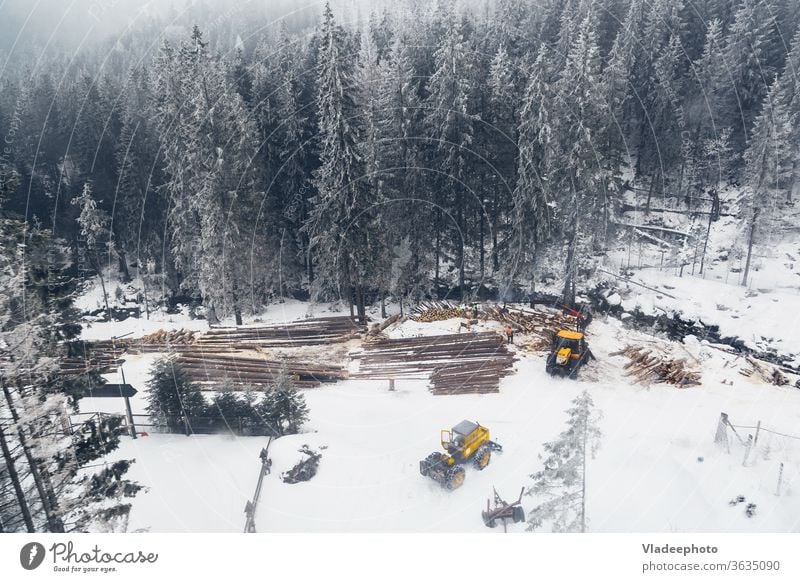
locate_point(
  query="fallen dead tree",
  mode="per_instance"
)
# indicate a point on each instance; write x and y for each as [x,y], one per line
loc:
[646,367]
[454,363]
[380,327]
[305,469]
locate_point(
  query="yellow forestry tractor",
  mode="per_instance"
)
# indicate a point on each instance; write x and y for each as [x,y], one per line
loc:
[467,441]
[568,354]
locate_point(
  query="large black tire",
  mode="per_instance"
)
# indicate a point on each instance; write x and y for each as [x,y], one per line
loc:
[482,458]
[430,461]
[454,477]
[554,369]
[551,367]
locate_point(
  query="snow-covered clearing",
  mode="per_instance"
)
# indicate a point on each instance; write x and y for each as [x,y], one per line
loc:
[647,475]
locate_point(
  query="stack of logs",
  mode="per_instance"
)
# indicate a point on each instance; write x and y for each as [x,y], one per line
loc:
[767,373]
[455,363]
[321,330]
[214,370]
[102,357]
[429,311]
[159,340]
[540,325]
[646,367]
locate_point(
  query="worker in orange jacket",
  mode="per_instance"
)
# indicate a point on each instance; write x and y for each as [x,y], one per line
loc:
[510,334]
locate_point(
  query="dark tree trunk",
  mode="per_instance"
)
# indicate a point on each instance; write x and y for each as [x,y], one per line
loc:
[705,243]
[123,264]
[650,193]
[96,266]
[211,315]
[483,250]
[18,491]
[360,304]
[495,211]
[237,310]
[461,234]
[753,219]
[437,249]
[351,301]
[40,476]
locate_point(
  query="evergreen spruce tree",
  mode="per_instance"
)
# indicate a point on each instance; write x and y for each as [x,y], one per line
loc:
[343,223]
[95,236]
[749,71]
[532,197]
[450,128]
[283,409]
[172,399]
[768,165]
[560,487]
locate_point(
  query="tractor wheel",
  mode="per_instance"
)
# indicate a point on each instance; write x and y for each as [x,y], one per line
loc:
[482,458]
[430,461]
[554,369]
[454,478]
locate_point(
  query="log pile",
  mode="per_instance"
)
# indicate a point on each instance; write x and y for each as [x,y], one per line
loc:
[646,367]
[306,332]
[429,311]
[160,340]
[100,363]
[767,373]
[212,370]
[540,325]
[455,363]
[102,357]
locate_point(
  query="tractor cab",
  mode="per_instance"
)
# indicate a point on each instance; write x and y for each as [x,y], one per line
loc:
[568,344]
[463,436]
[568,353]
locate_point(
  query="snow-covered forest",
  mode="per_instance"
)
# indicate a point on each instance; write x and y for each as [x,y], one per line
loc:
[224,160]
[413,150]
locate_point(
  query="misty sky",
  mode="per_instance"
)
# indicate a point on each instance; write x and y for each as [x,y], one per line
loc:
[69,24]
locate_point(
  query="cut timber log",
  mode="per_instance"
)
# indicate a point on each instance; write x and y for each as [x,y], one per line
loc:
[646,367]
[224,368]
[321,330]
[455,363]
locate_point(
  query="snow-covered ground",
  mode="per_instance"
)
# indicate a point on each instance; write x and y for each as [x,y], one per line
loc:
[764,313]
[648,474]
